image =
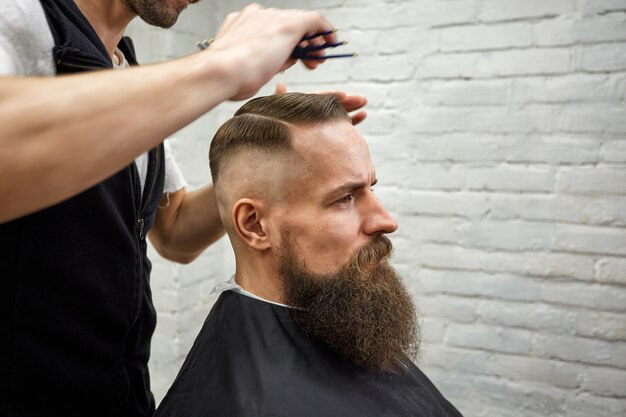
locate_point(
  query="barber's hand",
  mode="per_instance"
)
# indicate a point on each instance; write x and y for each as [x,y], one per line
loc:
[350,102]
[256,43]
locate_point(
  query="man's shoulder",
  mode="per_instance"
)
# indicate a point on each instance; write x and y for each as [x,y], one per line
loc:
[250,359]
[246,316]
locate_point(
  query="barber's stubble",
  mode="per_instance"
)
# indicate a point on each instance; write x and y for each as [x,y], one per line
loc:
[161,13]
[364,312]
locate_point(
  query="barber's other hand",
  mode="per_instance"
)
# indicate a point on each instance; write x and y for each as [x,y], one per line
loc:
[256,43]
[351,103]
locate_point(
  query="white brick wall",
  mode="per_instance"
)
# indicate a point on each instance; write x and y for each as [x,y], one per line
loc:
[498,128]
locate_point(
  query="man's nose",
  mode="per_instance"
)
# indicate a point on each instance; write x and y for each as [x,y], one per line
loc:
[377,219]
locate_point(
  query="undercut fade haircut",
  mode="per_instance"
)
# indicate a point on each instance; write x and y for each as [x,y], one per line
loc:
[262,124]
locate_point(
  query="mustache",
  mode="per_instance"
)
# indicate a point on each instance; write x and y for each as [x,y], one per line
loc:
[378,250]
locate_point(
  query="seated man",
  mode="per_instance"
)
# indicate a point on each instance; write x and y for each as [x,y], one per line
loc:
[315,321]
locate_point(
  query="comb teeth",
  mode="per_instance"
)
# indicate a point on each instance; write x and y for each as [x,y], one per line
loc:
[315,35]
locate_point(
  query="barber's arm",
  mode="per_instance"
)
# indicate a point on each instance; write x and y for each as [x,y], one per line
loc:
[59,136]
[186,224]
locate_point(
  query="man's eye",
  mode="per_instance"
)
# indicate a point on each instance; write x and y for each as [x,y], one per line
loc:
[346,199]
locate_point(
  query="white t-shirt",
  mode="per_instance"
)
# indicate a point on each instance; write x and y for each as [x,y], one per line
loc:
[25,39]
[26,50]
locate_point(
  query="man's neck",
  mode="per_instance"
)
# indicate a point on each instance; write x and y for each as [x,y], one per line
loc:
[109,19]
[260,280]
[260,289]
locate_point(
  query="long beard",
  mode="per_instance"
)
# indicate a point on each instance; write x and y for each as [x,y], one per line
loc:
[364,313]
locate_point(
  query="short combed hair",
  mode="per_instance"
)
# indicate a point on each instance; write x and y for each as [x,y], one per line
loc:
[263,124]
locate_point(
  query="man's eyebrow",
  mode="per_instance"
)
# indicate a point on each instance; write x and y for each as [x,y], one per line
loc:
[351,186]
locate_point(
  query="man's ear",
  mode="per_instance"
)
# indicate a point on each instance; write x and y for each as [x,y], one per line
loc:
[250,224]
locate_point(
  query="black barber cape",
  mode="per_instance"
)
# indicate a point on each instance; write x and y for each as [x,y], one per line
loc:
[250,359]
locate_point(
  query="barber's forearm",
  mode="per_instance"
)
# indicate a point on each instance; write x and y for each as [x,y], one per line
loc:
[59,136]
[188,226]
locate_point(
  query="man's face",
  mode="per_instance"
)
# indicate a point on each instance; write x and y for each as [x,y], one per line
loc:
[333,257]
[162,13]
[330,210]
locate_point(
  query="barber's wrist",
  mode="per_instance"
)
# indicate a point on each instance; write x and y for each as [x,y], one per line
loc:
[218,73]
[239,69]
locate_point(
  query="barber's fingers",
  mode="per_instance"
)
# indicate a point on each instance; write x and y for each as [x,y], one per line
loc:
[294,22]
[353,102]
[259,42]
[358,117]
[317,41]
[281,88]
[350,102]
[231,18]
[288,64]
[320,40]
[272,30]
[353,105]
